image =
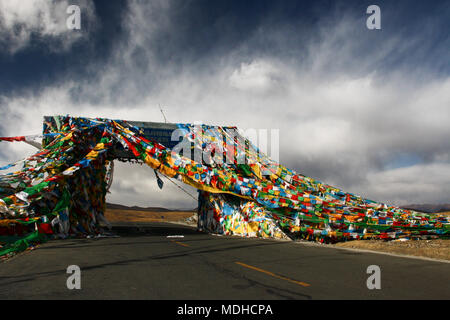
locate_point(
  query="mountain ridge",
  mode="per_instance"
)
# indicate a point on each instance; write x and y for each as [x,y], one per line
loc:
[149,209]
[428,208]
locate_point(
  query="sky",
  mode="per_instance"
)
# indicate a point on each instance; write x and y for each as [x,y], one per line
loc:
[363,110]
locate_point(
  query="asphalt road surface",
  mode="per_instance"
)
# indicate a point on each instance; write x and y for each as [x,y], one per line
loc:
[143,263]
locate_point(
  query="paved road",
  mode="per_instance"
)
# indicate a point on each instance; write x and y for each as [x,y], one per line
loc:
[144,264]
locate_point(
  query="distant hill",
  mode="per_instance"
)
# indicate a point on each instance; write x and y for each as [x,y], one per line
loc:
[428,208]
[149,209]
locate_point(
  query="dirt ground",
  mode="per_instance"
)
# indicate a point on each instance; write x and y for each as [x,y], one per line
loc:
[121,215]
[437,249]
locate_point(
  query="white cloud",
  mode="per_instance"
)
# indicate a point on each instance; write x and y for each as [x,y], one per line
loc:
[415,184]
[135,185]
[258,75]
[20,20]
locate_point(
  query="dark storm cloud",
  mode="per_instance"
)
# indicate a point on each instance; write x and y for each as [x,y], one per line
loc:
[36,66]
[309,36]
[200,34]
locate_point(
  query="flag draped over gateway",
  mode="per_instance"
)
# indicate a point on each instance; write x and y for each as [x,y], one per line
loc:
[60,191]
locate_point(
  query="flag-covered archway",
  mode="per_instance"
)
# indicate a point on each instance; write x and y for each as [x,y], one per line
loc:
[60,191]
